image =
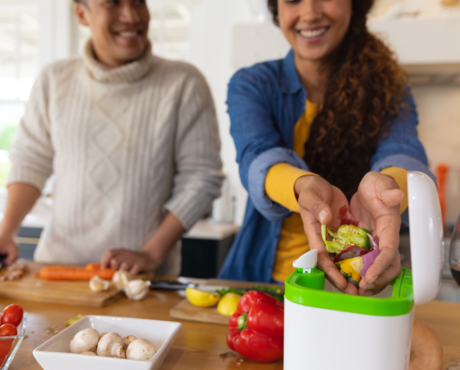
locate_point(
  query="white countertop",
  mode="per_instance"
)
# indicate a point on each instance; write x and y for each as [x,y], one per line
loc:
[208,229]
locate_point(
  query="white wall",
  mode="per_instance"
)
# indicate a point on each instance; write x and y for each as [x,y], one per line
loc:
[439,130]
[213,22]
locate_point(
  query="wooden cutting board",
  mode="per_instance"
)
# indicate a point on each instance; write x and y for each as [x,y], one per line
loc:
[76,293]
[186,311]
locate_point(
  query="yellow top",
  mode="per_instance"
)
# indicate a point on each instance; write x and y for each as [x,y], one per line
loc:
[279,186]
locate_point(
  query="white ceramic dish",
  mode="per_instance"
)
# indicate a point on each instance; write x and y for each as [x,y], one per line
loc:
[54,354]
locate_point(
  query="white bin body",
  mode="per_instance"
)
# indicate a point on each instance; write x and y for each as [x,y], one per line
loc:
[320,339]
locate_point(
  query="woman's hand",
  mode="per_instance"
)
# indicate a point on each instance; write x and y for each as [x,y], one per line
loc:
[376,206]
[133,262]
[319,204]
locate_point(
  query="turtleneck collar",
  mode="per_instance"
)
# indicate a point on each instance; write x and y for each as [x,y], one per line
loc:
[126,73]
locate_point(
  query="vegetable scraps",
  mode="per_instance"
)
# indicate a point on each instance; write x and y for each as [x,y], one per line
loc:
[256,329]
[355,248]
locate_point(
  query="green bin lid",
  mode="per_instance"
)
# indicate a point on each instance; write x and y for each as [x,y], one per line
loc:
[307,289]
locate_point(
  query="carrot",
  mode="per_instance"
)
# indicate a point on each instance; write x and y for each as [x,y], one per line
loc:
[75,274]
[106,274]
[93,267]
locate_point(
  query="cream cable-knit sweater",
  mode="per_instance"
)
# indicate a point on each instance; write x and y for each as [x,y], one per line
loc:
[125,144]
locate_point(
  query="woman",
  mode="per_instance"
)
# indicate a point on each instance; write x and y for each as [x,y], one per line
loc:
[333,122]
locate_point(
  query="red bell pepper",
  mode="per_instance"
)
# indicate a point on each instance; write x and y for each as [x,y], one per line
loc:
[256,329]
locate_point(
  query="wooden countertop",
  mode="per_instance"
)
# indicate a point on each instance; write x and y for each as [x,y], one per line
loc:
[198,345]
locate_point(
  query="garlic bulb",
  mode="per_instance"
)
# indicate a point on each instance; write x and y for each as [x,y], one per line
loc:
[137,289]
[121,279]
[96,284]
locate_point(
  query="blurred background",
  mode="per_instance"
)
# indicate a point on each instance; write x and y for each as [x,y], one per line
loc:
[221,36]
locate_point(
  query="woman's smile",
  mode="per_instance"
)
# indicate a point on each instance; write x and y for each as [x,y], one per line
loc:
[313,34]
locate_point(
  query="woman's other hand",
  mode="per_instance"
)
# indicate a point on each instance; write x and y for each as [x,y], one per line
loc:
[376,206]
[319,204]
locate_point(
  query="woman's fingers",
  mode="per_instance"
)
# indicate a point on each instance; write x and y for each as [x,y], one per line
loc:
[392,197]
[334,275]
[392,272]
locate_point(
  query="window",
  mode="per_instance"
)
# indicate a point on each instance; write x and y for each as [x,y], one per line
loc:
[169,28]
[19,65]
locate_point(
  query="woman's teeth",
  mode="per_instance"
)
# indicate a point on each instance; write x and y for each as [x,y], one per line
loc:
[128,34]
[313,33]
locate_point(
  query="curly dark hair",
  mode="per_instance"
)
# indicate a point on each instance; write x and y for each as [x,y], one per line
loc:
[364,94]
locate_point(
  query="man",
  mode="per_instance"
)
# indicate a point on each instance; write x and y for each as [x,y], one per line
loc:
[132,140]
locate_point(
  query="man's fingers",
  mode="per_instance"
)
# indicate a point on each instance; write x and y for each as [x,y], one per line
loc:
[12,256]
[135,269]
[114,264]
[105,260]
[393,197]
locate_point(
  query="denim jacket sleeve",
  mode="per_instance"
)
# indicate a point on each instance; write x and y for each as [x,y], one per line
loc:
[258,142]
[402,148]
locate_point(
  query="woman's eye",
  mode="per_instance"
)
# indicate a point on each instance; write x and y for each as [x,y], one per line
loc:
[292,1]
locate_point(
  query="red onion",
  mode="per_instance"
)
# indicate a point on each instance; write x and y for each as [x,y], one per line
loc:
[352,251]
[370,257]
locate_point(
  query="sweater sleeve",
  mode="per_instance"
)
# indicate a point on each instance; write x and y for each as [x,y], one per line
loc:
[279,184]
[197,153]
[400,176]
[32,153]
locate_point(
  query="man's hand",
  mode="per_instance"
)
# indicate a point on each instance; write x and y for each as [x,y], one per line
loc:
[133,262]
[376,206]
[154,252]
[319,204]
[9,247]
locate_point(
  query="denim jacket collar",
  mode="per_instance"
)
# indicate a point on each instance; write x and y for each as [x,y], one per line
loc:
[290,81]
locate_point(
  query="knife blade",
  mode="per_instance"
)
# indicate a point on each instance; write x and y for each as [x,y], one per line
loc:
[170,285]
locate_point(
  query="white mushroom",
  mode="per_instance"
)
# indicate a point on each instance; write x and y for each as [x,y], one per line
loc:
[137,289]
[88,353]
[96,284]
[83,341]
[121,279]
[111,345]
[128,340]
[141,350]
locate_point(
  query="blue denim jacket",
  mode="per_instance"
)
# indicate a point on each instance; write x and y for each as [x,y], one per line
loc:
[264,103]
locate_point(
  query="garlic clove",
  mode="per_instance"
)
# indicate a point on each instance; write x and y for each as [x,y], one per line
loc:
[96,284]
[121,279]
[88,353]
[137,289]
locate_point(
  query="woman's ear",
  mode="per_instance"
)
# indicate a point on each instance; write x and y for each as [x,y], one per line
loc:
[81,11]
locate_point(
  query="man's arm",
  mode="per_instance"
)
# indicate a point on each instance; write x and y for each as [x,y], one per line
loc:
[154,252]
[21,199]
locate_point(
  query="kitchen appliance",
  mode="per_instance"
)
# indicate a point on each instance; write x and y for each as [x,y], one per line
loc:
[325,329]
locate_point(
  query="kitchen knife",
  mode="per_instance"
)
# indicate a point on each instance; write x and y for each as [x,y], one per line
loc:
[3,260]
[170,285]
